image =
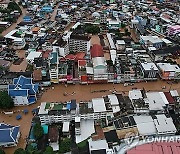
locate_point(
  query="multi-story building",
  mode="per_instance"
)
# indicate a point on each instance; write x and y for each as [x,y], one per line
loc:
[79,43]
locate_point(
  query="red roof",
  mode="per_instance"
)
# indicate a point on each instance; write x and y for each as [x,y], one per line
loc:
[97,51]
[45,54]
[156,148]
[80,56]
[169,97]
[70,57]
[82,62]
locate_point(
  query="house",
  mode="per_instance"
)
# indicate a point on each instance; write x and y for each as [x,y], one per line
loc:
[53,65]
[9,135]
[164,125]
[154,41]
[23,91]
[32,55]
[27,19]
[169,71]
[149,70]
[53,137]
[61,46]
[66,128]
[173,30]
[100,68]
[120,45]
[46,9]
[114,24]
[17,39]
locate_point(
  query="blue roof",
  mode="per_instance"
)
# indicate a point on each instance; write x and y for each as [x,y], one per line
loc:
[8,134]
[31,99]
[23,86]
[3,126]
[73,104]
[21,92]
[68,106]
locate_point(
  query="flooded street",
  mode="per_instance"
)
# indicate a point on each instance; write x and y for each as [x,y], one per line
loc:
[82,93]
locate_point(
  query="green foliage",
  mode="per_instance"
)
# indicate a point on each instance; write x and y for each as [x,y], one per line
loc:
[30,149]
[2,29]
[109,62]
[4,10]
[123,25]
[38,131]
[14,6]
[49,150]
[2,151]
[92,29]
[10,19]
[6,101]
[82,144]
[65,146]
[20,151]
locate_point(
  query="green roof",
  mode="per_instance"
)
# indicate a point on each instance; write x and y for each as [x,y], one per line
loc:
[47,106]
[57,107]
[45,129]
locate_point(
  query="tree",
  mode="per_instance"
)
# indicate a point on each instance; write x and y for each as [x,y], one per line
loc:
[20,151]
[38,131]
[6,101]
[65,146]
[2,151]
[92,29]
[123,25]
[14,6]
[49,150]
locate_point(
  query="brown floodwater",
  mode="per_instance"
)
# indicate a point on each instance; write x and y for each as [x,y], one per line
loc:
[82,93]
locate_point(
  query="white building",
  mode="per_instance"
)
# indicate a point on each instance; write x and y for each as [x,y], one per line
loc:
[164,125]
[78,43]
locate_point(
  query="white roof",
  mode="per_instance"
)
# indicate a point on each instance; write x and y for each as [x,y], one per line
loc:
[98,105]
[42,109]
[149,66]
[113,99]
[135,94]
[98,144]
[113,22]
[121,42]
[87,129]
[113,55]
[33,55]
[76,25]
[169,67]
[96,14]
[89,70]
[153,39]
[145,125]
[97,61]
[3,23]
[174,93]
[111,42]
[151,48]
[164,124]
[156,100]
[77,119]
[65,126]
[115,109]
[9,35]
[166,41]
